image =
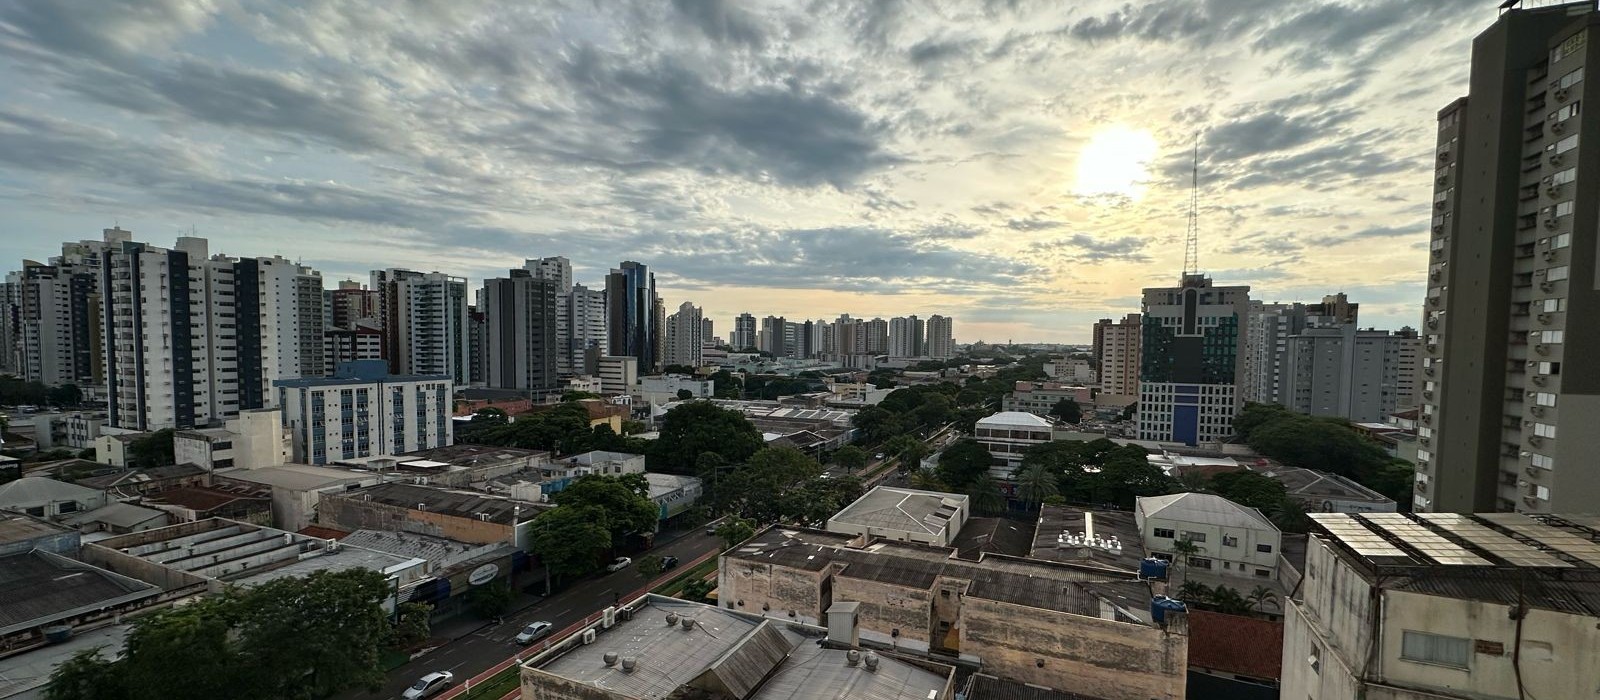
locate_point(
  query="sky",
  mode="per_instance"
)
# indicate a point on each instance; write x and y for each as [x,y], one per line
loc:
[1024,167]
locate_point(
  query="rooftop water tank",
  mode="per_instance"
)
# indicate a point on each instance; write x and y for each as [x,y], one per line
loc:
[1153,569]
[1161,605]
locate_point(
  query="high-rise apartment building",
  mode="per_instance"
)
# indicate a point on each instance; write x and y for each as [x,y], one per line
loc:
[1507,398]
[906,336]
[1267,332]
[11,326]
[708,331]
[363,341]
[555,269]
[632,310]
[744,332]
[351,303]
[364,411]
[1119,354]
[49,322]
[1343,371]
[874,339]
[424,319]
[941,344]
[773,336]
[683,339]
[583,313]
[1191,364]
[520,331]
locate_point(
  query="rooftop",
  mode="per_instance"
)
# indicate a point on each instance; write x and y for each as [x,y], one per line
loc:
[1248,646]
[205,498]
[1203,509]
[437,550]
[17,527]
[249,555]
[464,455]
[994,536]
[729,654]
[1545,561]
[38,489]
[42,588]
[986,687]
[1014,419]
[452,502]
[31,670]
[294,477]
[1078,535]
[1312,484]
[905,510]
[127,478]
[117,515]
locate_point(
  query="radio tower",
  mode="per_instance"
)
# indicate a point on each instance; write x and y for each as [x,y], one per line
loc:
[1191,246]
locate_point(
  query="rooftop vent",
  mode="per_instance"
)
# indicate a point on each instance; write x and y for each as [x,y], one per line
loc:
[852,657]
[672,619]
[610,658]
[628,664]
[871,661]
[688,623]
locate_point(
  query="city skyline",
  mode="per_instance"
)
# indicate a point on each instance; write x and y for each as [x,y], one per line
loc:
[880,161]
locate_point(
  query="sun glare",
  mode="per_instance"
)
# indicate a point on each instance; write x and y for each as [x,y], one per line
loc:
[1116,161]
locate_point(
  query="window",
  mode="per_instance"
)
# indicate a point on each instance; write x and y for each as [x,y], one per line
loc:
[1434,649]
[68,507]
[1164,532]
[1561,241]
[1230,541]
[1194,536]
[1564,209]
[1200,562]
[1556,273]
[1264,548]
[1542,461]
[1566,144]
[1544,398]
[1565,176]
[1262,573]
[1570,79]
[1566,112]
[1569,46]
[1551,305]
[36,511]
[1544,430]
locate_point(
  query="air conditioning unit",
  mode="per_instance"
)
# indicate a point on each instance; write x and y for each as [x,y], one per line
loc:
[1547,285]
[1561,94]
[1435,277]
[1531,471]
[1540,379]
[608,618]
[1552,223]
[1555,159]
[1535,440]
[1438,228]
[1558,127]
[1542,349]
[1527,423]
[1439,204]
[588,636]
[1444,155]
[1553,191]
[1442,179]
[1522,483]
[1549,255]
[1536,410]
[1544,319]
[1428,371]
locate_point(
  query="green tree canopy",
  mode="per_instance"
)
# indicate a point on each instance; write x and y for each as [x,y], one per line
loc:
[1067,410]
[735,530]
[623,502]
[701,426]
[1250,489]
[963,463]
[569,539]
[153,450]
[850,457]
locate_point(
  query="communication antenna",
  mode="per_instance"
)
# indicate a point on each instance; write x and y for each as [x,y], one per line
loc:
[1191,247]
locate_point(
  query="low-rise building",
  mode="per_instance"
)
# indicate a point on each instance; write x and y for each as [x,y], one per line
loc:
[1059,625]
[663,388]
[618,373]
[297,489]
[143,482]
[47,498]
[118,519]
[674,494]
[1230,539]
[255,438]
[245,503]
[659,647]
[1322,492]
[904,515]
[557,474]
[1008,435]
[1405,606]
[464,516]
[47,595]
[25,533]
[1040,398]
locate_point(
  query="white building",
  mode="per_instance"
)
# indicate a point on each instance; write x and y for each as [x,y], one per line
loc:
[683,337]
[674,494]
[618,374]
[425,323]
[582,334]
[1009,434]
[906,337]
[254,439]
[664,388]
[48,498]
[904,515]
[1119,355]
[363,411]
[1431,606]
[941,344]
[1231,539]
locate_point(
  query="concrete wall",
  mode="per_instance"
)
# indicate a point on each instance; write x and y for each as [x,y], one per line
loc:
[886,608]
[1101,658]
[134,567]
[771,590]
[1244,557]
[63,543]
[351,513]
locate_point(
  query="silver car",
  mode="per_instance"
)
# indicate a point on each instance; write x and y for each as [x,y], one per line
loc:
[429,685]
[533,632]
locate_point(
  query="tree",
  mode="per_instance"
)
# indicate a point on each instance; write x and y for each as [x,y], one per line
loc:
[413,624]
[726,385]
[489,600]
[153,450]
[88,675]
[963,463]
[985,494]
[1260,596]
[735,530]
[701,426]
[571,396]
[1181,551]
[908,450]
[763,488]
[850,457]
[1036,483]
[66,395]
[926,480]
[1067,410]
[1130,411]
[1250,489]
[569,538]
[698,589]
[1194,592]
[685,394]
[623,503]
[649,566]
[677,369]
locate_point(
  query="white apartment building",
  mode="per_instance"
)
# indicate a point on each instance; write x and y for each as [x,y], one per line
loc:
[1230,539]
[906,335]
[683,336]
[1432,606]
[1119,355]
[941,343]
[363,411]
[1009,434]
[664,388]
[44,313]
[583,321]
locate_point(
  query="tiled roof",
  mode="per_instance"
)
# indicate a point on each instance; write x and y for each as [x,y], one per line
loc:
[1247,646]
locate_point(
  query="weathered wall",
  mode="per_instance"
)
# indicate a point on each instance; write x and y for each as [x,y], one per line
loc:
[538,685]
[351,513]
[886,608]
[772,590]
[134,567]
[1088,655]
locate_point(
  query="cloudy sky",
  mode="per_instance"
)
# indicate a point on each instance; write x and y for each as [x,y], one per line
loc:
[1022,166]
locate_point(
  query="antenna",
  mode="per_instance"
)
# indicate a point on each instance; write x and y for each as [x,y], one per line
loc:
[1191,247]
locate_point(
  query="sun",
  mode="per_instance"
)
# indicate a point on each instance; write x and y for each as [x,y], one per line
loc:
[1116,161]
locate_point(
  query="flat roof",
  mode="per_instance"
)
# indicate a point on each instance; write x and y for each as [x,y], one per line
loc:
[995,536]
[1310,483]
[30,670]
[1069,534]
[467,455]
[17,527]
[249,555]
[453,502]
[905,510]
[295,477]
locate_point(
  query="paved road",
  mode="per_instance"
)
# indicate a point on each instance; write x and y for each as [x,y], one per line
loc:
[477,652]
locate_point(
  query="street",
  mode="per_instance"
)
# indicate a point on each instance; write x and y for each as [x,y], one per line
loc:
[480,650]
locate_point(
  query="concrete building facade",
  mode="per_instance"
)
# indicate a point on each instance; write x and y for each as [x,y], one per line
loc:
[618,374]
[583,316]
[743,336]
[1119,358]
[363,411]
[521,347]
[1231,540]
[941,337]
[684,336]
[906,336]
[1511,271]
[1191,361]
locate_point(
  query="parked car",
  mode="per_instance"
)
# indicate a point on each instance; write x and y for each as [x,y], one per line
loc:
[619,564]
[533,632]
[668,562]
[429,685]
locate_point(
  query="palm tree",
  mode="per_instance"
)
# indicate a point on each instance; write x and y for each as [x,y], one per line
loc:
[1182,550]
[1194,592]
[985,495]
[1259,596]
[1036,483]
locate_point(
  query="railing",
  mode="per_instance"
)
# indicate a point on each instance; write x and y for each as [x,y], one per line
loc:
[551,640]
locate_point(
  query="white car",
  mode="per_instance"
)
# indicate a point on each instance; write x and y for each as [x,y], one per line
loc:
[533,632]
[618,564]
[429,685]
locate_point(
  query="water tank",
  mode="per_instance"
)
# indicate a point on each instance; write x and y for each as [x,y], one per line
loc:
[56,634]
[1161,605]
[1153,569]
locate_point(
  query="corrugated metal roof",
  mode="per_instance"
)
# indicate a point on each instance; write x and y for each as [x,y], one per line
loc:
[815,673]
[742,669]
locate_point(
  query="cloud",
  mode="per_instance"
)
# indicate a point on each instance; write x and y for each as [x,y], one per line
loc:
[1083,248]
[723,21]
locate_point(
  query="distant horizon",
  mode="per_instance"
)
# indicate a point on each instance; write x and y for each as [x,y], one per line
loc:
[1023,169]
